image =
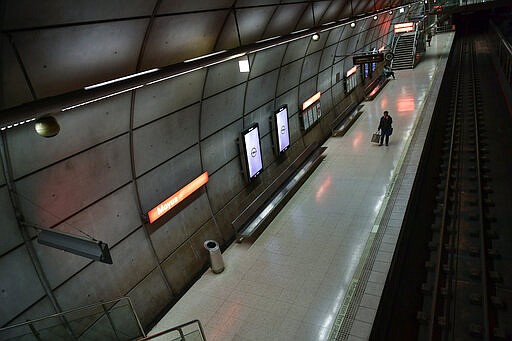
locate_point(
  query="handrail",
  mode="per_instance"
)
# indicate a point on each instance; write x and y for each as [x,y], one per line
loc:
[178,329]
[101,305]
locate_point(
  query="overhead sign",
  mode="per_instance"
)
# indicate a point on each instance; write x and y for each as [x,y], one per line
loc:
[177,197]
[404,27]
[368,58]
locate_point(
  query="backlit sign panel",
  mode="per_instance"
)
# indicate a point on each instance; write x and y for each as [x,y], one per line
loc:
[311,100]
[177,197]
[404,27]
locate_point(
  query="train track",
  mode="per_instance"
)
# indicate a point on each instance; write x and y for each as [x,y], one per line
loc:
[460,282]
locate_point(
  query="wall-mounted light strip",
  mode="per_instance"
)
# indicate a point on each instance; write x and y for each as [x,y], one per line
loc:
[17,124]
[203,57]
[311,100]
[177,197]
[101,98]
[120,79]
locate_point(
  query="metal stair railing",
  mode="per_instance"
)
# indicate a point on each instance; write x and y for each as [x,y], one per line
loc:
[190,331]
[111,320]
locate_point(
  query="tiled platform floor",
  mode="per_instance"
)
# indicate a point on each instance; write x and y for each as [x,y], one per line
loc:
[303,278]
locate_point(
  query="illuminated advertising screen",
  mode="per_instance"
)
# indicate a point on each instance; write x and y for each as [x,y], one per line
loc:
[281,132]
[251,151]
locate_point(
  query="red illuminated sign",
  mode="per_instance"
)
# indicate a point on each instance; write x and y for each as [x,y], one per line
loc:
[351,71]
[404,27]
[310,101]
[177,197]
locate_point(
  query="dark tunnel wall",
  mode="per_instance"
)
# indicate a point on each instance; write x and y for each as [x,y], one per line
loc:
[117,158]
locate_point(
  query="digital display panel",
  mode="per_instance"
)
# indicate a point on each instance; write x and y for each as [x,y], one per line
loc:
[282,133]
[251,151]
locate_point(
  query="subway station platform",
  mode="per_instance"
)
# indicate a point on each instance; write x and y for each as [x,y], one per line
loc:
[318,270]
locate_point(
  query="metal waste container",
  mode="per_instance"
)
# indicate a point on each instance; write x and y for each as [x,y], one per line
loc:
[215,256]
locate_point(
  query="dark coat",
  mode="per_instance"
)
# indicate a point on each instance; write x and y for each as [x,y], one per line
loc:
[385,125]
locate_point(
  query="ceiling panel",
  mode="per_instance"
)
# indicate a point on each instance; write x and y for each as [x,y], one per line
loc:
[253,23]
[284,19]
[173,6]
[62,59]
[14,89]
[174,39]
[29,13]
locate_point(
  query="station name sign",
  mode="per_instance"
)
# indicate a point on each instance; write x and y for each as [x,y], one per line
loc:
[177,197]
[368,58]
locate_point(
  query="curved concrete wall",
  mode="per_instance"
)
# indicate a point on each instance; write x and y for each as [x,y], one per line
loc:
[117,158]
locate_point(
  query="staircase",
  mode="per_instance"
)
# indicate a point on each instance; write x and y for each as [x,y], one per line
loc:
[404,51]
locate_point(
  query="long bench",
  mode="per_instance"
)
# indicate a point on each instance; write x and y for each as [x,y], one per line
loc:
[344,121]
[372,90]
[249,224]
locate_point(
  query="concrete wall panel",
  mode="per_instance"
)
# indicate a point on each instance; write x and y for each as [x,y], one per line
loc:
[335,36]
[260,90]
[308,89]
[181,226]
[13,87]
[267,60]
[252,23]
[221,147]
[30,152]
[10,235]
[296,50]
[45,13]
[41,308]
[231,174]
[284,19]
[262,116]
[20,286]
[310,67]
[67,58]
[174,39]
[289,76]
[223,76]
[327,57]
[171,6]
[109,220]
[66,187]
[161,140]
[165,180]
[150,296]
[160,99]
[222,110]
[182,266]
[100,281]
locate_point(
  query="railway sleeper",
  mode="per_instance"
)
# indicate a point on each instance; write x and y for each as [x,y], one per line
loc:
[475,299]
[495,276]
[492,234]
[422,317]
[498,302]
[494,253]
[475,274]
[475,330]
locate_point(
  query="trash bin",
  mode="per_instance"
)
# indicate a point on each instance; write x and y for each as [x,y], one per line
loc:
[215,256]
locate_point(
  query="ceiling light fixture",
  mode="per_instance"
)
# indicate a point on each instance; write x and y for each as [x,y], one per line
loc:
[315,37]
[47,126]
[243,64]
[353,24]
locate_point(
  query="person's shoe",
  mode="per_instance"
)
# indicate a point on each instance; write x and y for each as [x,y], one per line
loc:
[380,144]
[386,144]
